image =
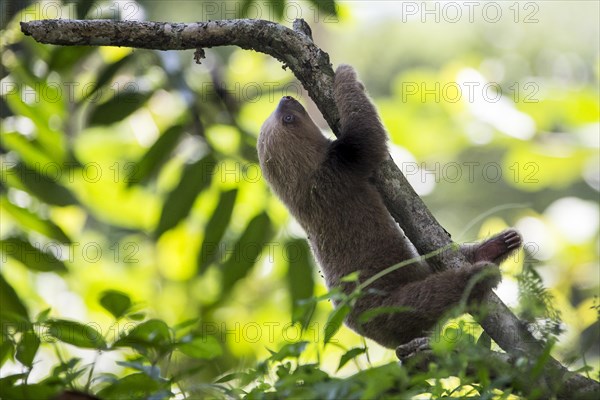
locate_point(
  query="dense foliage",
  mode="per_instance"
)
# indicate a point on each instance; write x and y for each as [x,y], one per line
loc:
[143,256]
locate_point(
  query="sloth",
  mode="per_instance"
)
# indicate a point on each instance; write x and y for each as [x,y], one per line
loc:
[326,186]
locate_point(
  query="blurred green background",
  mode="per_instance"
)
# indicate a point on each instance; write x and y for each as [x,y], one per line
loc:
[135,170]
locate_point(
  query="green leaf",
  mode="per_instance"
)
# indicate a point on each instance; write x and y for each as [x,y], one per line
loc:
[118,108]
[49,141]
[186,324]
[303,311]
[69,368]
[375,312]
[115,302]
[11,380]
[351,277]
[215,229]
[29,220]
[82,8]
[156,155]
[201,347]
[43,315]
[245,252]
[278,8]
[246,7]
[152,333]
[485,340]
[300,277]
[349,355]
[334,322]
[242,376]
[27,348]
[28,392]
[30,256]
[134,387]
[183,374]
[327,7]
[108,73]
[137,316]
[452,337]
[194,179]
[63,58]
[292,350]
[29,151]
[12,309]
[149,369]
[7,348]
[75,333]
[45,188]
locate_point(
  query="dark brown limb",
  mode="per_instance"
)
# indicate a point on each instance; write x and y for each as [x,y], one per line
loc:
[495,249]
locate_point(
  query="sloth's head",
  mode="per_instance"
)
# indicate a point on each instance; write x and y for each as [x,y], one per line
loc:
[290,119]
[289,129]
[290,141]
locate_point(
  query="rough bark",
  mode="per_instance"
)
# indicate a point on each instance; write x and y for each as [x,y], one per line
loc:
[313,69]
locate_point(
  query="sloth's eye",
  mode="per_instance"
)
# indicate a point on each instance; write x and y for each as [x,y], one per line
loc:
[288,118]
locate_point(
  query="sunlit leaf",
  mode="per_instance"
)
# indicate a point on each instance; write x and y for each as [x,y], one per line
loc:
[135,386]
[303,311]
[137,316]
[7,349]
[246,4]
[29,151]
[300,276]
[327,7]
[186,324]
[10,380]
[292,350]
[242,376]
[150,370]
[44,188]
[245,252]
[215,229]
[30,256]
[107,74]
[82,8]
[29,220]
[68,366]
[349,355]
[118,107]
[194,179]
[485,340]
[27,348]
[334,322]
[375,312]
[278,8]
[28,392]
[351,277]
[201,347]
[115,302]
[12,308]
[63,58]
[75,333]
[49,142]
[156,155]
[151,333]
[43,315]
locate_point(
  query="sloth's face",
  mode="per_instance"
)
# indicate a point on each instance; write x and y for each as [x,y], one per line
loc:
[290,119]
[290,144]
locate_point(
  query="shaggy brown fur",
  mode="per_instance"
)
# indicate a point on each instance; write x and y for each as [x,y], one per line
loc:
[325,184]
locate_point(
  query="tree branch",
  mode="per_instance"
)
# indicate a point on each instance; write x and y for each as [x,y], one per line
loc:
[296,50]
[313,69]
